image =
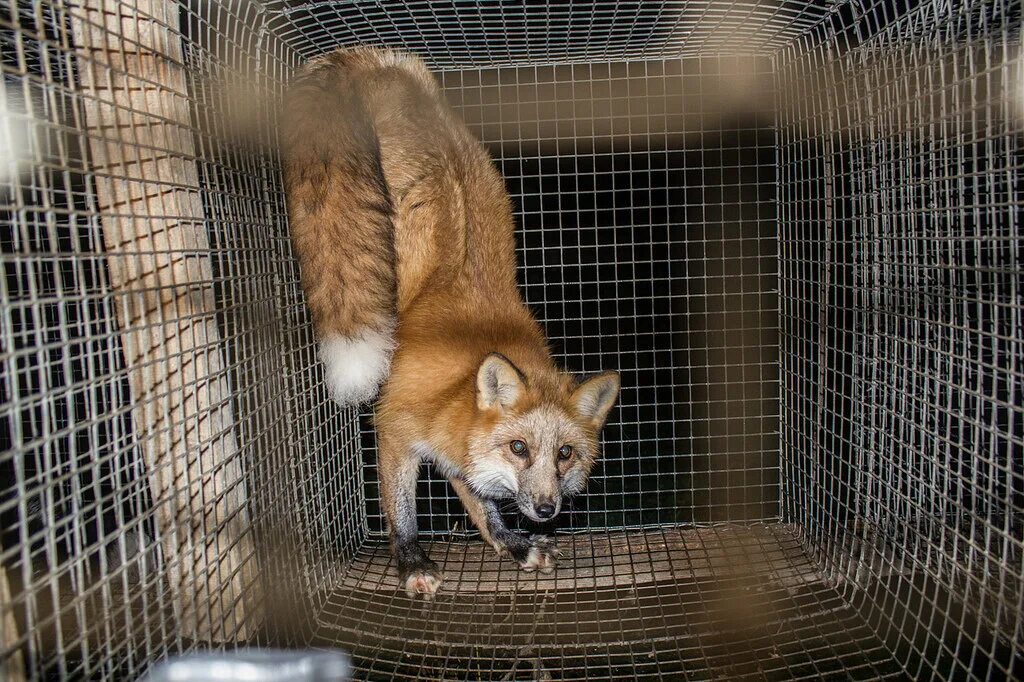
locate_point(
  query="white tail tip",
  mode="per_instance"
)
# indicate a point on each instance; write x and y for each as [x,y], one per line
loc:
[356,366]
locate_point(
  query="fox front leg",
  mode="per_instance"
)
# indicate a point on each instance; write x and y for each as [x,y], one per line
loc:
[399,470]
[532,553]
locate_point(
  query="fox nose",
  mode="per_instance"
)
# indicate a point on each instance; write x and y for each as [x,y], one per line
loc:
[545,511]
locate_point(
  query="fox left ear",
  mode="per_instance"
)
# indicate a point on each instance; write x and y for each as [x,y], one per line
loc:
[595,397]
[499,383]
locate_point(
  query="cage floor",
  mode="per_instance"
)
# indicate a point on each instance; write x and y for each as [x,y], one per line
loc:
[724,602]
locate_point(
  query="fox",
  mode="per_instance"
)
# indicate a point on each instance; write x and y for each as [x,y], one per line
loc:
[404,234]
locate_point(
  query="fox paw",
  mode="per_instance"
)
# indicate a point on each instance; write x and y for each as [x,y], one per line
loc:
[542,555]
[417,574]
[423,582]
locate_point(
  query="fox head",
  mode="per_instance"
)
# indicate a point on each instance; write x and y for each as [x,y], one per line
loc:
[535,441]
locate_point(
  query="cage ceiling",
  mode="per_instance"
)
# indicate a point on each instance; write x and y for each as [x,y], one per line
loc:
[793,227]
[461,35]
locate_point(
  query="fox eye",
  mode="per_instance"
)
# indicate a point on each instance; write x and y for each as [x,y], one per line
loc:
[565,452]
[518,447]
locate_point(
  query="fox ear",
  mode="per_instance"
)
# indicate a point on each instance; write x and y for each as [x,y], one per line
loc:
[499,383]
[595,397]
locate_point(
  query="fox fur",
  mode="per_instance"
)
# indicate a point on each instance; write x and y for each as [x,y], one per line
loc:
[404,234]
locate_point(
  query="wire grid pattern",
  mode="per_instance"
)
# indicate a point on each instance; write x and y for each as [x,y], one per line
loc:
[903,319]
[645,196]
[451,34]
[85,573]
[902,439]
[723,602]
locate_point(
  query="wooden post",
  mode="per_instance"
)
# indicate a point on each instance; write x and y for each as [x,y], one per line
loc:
[137,118]
[12,666]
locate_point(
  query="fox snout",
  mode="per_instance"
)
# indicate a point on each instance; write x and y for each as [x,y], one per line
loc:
[540,508]
[539,500]
[545,510]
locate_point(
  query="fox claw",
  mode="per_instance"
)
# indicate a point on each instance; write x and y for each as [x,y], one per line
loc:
[543,555]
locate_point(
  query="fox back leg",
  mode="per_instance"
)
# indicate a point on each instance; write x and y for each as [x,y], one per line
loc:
[399,471]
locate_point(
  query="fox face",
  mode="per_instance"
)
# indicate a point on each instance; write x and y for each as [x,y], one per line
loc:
[535,445]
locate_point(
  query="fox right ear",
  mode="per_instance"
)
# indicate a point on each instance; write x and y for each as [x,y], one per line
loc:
[595,397]
[499,383]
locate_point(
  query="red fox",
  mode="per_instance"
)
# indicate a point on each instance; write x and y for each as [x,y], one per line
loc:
[404,234]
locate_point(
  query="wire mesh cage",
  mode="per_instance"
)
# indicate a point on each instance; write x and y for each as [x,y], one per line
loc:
[791,225]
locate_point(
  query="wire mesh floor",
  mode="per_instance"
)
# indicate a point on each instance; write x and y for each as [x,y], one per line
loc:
[722,602]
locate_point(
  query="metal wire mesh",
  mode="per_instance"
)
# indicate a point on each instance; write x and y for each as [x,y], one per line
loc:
[901,268]
[726,200]
[453,34]
[114,554]
[711,603]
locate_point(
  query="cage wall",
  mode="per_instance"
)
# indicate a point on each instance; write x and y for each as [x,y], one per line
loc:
[157,360]
[707,192]
[901,263]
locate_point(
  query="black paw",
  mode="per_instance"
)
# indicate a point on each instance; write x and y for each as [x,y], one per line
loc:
[417,574]
[536,553]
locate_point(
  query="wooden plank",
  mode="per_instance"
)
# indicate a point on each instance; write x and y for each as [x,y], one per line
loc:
[137,117]
[12,663]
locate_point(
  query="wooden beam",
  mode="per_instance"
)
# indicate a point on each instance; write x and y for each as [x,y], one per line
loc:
[142,159]
[12,663]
